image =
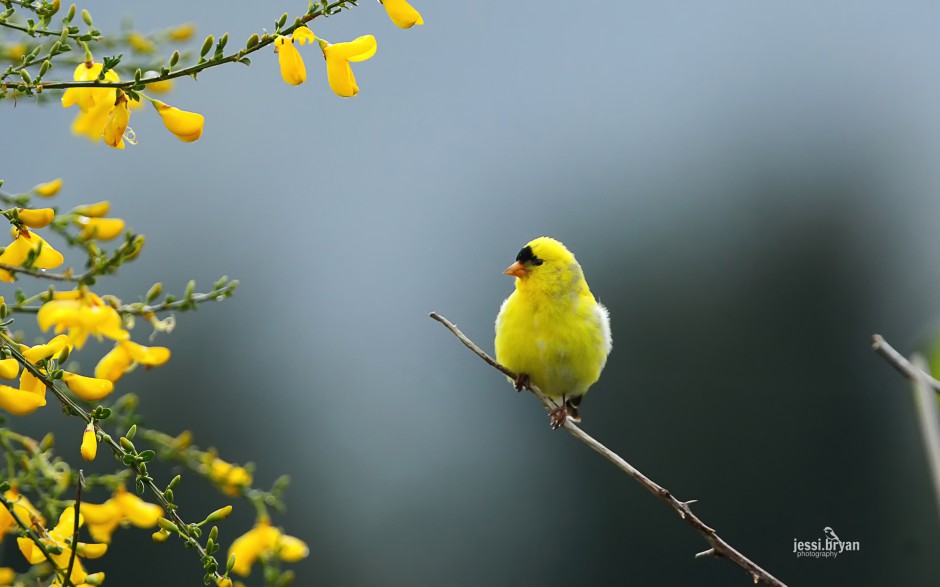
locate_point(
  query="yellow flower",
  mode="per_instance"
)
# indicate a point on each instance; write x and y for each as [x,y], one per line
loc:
[232,478]
[49,189]
[125,355]
[96,210]
[103,229]
[118,119]
[265,540]
[60,537]
[86,98]
[7,576]
[338,72]
[95,104]
[183,32]
[24,510]
[25,399]
[288,57]
[83,315]
[187,126]
[140,43]
[19,250]
[122,509]
[20,402]
[88,388]
[9,368]
[35,218]
[89,443]
[44,351]
[293,70]
[402,13]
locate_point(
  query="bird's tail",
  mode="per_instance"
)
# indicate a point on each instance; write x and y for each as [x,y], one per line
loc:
[572,405]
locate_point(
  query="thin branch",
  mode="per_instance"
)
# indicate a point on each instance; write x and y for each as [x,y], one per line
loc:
[927,413]
[897,360]
[718,545]
[139,308]
[41,274]
[34,31]
[265,40]
[78,503]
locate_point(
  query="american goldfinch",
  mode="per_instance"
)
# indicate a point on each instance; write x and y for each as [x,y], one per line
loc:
[551,330]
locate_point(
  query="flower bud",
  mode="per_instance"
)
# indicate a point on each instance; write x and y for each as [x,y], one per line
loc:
[219,514]
[49,189]
[89,443]
[206,46]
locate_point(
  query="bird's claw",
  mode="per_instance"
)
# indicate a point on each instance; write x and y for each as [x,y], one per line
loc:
[558,416]
[522,382]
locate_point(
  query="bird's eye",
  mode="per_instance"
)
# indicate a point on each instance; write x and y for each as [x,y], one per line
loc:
[537,261]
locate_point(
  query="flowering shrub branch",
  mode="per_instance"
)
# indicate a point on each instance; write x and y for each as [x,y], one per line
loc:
[105,100]
[81,313]
[38,38]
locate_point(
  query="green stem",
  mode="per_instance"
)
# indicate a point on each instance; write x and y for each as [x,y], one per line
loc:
[48,33]
[138,308]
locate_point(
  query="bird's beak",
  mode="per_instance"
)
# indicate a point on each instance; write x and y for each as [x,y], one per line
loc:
[516,270]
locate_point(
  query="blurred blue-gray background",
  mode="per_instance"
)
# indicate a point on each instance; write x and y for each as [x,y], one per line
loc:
[751,188]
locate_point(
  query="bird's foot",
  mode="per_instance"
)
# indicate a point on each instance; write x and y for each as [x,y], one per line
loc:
[558,416]
[522,382]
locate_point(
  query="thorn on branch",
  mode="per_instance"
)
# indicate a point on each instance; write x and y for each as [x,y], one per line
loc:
[704,553]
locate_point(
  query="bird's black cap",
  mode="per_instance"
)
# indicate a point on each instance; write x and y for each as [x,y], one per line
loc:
[527,256]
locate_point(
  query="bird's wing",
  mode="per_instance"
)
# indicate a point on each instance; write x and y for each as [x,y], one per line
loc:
[603,320]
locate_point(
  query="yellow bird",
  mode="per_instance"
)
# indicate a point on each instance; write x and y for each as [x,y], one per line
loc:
[551,330]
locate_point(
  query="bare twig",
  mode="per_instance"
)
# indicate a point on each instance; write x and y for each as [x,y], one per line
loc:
[78,504]
[719,547]
[897,360]
[926,402]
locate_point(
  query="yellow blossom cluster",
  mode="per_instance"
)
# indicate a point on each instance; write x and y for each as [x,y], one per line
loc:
[122,509]
[82,313]
[24,510]
[73,315]
[28,245]
[231,478]
[338,56]
[58,543]
[105,111]
[265,540]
